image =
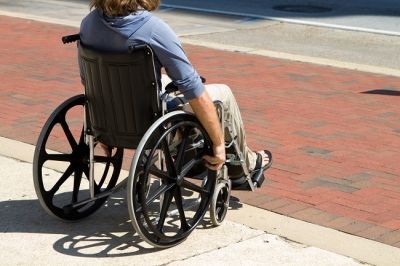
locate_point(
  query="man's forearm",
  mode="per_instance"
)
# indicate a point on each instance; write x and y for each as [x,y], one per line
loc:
[205,111]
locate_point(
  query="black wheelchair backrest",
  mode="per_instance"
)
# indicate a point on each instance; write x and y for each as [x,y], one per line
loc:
[122,94]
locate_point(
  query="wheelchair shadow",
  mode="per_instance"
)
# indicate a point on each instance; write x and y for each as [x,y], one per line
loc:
[234,203]
[107,233]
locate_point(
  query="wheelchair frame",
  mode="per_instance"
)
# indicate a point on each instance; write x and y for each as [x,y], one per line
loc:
[218,185]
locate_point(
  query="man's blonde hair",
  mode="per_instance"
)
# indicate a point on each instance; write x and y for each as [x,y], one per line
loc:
[123,7]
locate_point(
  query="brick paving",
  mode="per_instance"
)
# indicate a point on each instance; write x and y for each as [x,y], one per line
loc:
[334,133]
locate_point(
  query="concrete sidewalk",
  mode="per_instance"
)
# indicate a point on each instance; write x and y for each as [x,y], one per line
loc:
[29,236]
[256,235]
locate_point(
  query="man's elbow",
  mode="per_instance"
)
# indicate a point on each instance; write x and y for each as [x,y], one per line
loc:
[203,99]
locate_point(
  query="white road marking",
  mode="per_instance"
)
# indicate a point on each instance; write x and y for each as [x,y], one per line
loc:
[231,48]
[289,20]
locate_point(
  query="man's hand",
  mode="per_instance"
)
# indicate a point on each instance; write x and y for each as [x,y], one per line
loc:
[205,111]
[217,161]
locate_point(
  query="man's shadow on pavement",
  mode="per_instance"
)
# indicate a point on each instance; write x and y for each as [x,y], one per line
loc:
[106,233]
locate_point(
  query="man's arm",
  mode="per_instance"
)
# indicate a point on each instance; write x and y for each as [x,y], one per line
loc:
[205,111]
[170,53]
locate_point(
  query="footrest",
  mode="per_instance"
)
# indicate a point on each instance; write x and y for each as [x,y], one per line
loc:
[242,183]
[258,180]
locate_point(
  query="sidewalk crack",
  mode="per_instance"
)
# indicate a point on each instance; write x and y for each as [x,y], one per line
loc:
[212,250]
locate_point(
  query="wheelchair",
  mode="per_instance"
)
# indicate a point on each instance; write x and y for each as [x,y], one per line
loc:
[169,189]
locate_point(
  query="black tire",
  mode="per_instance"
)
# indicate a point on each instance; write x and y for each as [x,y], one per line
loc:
[68,187]
[157,208]
[220,203]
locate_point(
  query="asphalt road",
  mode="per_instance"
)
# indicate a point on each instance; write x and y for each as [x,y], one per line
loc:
[366,15]
[319,41]
[379,16]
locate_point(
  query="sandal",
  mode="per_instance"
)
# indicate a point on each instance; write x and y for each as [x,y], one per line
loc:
[260,159]
[257,176]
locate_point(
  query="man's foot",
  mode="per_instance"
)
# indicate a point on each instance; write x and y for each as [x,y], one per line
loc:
[264,160]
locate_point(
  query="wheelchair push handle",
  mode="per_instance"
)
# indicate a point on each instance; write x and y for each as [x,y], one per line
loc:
[70,38]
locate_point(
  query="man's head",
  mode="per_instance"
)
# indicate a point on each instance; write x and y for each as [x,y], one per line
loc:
[123,7]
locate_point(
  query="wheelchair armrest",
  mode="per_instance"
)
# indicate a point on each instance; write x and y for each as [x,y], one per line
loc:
[70,38]
[171,87]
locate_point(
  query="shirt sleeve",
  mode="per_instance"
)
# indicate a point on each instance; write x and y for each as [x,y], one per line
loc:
[171,55]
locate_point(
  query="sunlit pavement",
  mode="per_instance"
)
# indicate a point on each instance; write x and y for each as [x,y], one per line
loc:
[334,132]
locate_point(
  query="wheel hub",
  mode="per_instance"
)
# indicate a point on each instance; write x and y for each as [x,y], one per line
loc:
[179,180]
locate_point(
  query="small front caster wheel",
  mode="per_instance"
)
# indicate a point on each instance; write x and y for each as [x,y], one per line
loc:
[220,203]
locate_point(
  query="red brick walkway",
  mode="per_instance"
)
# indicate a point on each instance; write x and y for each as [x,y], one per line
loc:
[335,133]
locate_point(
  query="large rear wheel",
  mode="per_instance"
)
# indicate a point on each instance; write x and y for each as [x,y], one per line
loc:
[165,201]
[61,164]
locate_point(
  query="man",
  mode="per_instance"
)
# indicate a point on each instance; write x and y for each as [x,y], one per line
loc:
[114,25]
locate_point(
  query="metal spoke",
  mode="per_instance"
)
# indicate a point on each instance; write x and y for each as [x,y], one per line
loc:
[178,200]
[82,138]
[69,135]
[153,160]
[158,173]
[77,184]
[86,171]
[103,178]
[187,167]
[193,187]
[59,157]
[62,179]
[168,158]
[181,152]
[102,159]
[161,190]
[168,195]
